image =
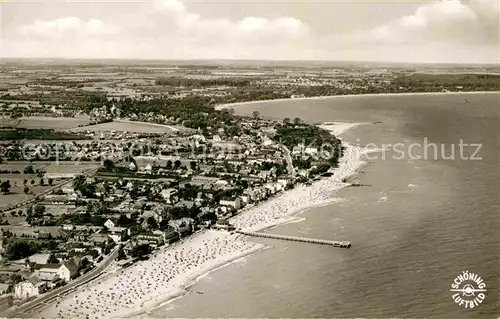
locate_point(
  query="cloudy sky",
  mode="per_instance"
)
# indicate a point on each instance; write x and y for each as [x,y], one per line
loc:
[362,30]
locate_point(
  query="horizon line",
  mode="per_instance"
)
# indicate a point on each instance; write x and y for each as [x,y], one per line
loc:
[248,60]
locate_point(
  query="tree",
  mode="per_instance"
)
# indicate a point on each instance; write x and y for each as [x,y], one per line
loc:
[52,245]
[19,249]
[94,253]
[51,181]
[177,164]
[121,253]
[26,190]
[108,165]
[29,170]
[297,121]
[52,259]
[286,120]
[25,181]
[5,187]
[39,210]
[42,183]
[255,114]
[169,164]
[78,181]
[152,222]
[16,115]
[192,165]
[15,278]
[124,221]
[164,224]
[84,262]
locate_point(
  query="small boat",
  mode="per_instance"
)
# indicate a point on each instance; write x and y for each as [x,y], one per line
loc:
[200,292]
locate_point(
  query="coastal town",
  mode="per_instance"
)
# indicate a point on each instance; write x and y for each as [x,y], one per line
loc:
[98,189]
[249,159]
[77,202]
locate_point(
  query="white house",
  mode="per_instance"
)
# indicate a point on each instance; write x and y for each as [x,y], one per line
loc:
[68,270]
[167,194]
[234,202]
[31,287]
[109,224]
[116,233]
[51,279]
[284,182]
[132,166]
[311,150]
[68,227]
[129,186]
[47,270]
[267,141]
[245,199]
[298,149]
[148,169]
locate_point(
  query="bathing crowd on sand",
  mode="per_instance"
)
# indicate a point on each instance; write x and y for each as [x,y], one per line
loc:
[141,286]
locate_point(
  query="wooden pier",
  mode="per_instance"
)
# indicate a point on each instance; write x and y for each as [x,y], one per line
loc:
[340,244]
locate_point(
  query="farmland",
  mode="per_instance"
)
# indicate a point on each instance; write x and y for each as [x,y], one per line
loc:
[56,123]
[127,126]
[33,181]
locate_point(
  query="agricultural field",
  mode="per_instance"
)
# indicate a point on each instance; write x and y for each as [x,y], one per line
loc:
[17,194]
[127,126]
[55,123]
[32,231]
[49,167]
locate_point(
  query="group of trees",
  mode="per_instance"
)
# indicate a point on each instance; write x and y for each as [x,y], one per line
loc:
[82,219]
[18,249]
[87,189]
[296,121]
[311,136]
[439,82]
[188,82]
[35,216]
[37,134]
[5,187]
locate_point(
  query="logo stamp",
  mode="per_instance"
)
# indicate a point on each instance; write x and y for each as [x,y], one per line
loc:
[469,288]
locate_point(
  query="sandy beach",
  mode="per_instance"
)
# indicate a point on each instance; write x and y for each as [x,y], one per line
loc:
[142,286]
[228,105]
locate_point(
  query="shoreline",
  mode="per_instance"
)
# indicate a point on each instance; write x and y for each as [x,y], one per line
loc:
[325,97]
[170,272]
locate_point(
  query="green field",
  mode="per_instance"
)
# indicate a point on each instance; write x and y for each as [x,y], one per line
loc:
[16,180]
[127,126]
[56,123]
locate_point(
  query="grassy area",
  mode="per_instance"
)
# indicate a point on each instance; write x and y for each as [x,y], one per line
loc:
[16,180]
[49,167]
[10,134]
[32,231]
[56,123]
[131,127]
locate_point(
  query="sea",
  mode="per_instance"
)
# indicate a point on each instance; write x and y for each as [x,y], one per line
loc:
[420,218]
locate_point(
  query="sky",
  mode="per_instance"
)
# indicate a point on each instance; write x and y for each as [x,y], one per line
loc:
[445,31]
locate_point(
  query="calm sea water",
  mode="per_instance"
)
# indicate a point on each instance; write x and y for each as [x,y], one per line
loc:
[415,226]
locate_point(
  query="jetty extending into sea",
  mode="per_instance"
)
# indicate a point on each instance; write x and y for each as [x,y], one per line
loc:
[334,243]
